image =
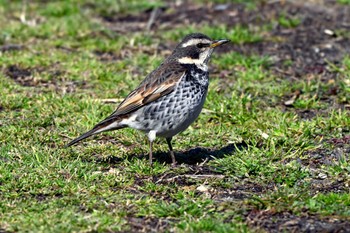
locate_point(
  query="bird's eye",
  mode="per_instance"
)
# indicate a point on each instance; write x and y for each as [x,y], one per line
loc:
[202,45]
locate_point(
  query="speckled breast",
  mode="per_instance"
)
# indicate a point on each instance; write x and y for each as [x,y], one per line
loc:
[173,113]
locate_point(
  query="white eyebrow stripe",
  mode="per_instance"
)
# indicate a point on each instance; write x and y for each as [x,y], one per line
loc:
[188,60]
[195,41]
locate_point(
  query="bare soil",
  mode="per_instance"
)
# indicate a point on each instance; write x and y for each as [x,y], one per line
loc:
[31,77]
[272,221]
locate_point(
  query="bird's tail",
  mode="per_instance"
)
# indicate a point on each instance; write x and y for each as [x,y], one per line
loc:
[105,125]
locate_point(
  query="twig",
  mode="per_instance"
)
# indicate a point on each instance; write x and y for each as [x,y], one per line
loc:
[109,101]
[11,47]
[64,135]
[282,71]
[152,18]
[204,162]
[22,16]
[193,177]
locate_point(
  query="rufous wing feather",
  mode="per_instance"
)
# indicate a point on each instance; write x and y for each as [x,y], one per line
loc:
[157,84]
[149,92]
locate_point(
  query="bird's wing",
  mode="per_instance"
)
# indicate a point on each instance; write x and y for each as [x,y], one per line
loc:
[157,84]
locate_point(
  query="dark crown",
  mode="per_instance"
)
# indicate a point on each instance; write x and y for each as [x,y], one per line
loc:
[194,36]
[195,48]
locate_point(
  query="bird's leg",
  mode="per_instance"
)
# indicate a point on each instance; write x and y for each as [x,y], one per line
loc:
[151,137]
[150,152]
[171,152]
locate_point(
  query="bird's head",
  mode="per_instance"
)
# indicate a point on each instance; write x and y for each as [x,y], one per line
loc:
[196,48]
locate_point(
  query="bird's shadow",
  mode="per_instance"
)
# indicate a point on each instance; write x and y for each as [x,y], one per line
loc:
[190,157]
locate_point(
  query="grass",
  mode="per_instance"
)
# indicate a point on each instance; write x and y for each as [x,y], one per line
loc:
[277,160]
[344,1]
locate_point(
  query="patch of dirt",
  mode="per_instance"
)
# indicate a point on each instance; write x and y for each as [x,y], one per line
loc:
[238,192]
[11,47]
[327,186]
[148,224]
[30,77]
[44,196]
[107,56]
[19,75]
[320,157]
[340,141]
[271,221]
[307,114]
[322,182]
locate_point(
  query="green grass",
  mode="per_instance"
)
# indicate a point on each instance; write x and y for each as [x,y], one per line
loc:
[104,185]
[288,22]
[344,1]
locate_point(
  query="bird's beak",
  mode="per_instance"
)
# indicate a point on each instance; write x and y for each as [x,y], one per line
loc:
[218,42]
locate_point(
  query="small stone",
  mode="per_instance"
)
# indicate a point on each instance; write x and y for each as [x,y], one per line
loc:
[322,176]
[289,102]
[265,135]
[221,7]
[329,32]
[203,188]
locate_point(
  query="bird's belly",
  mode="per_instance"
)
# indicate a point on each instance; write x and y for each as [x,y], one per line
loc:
[173,113]
[180,122]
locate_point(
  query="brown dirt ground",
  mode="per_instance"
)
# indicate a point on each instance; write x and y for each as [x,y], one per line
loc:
[271,221]
[31,77]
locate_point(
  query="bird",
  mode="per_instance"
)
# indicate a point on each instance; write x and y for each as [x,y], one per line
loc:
[170,97]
